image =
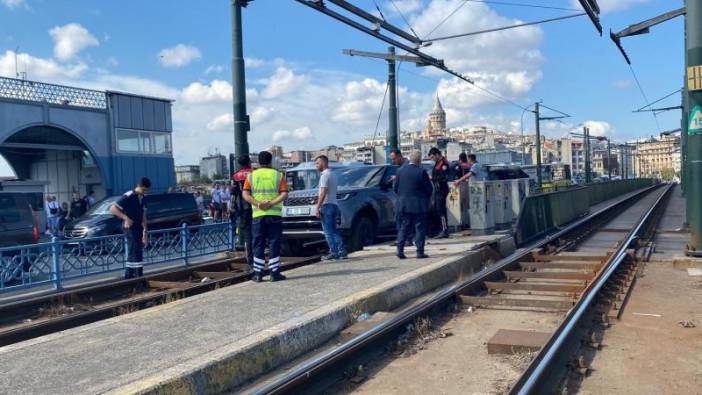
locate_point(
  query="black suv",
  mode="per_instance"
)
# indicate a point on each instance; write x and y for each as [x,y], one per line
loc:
[17,224]
[164,211]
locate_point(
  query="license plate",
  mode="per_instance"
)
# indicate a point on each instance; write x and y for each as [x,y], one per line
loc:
[297,211]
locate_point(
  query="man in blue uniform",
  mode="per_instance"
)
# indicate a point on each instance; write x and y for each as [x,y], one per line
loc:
[131,209]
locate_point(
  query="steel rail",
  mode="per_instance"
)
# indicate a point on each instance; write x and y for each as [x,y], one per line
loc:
[304,372]
[111,301]
[535,379]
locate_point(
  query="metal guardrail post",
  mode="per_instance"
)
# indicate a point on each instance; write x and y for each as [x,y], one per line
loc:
[184,239]
[56,263]
[230,231]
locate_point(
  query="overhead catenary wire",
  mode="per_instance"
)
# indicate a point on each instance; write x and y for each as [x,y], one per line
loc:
[659,100]
[514,4]
[403,17]
[506,27]
[648,104]
[380,114]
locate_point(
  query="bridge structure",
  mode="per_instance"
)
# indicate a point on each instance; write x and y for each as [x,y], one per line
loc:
[61,139]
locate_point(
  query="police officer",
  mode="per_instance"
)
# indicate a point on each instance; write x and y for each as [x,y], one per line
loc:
[131,209]
[265,189]
[439,179]
[242,208]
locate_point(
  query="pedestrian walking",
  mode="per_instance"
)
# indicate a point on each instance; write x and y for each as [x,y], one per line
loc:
[265,189]
[226,201]
[52,215]
[244,214]
[200,202]
[439,179]
[475,171]
[78,206]
[131,209]
[328,209]
[216,203]
[414,190]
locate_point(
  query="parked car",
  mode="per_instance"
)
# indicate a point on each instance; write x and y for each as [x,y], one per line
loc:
[366,201]
[164,210]
[17,223]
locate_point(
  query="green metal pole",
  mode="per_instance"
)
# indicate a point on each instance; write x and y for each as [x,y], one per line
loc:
[586,144]
[241,119]
[538,147]
[392,109]
[609,160]
[693,23]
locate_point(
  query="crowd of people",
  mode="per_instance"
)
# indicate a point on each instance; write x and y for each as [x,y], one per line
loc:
[253,199]
[58,215]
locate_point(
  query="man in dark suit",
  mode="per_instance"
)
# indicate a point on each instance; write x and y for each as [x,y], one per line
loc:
[413,189]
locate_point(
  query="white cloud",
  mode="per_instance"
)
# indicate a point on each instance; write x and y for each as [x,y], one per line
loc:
[217,90]
[12,4]
[600,128]
[38,68]
[612,5]
[214,68]
[70,39]
[221,122]
[179,56]
[282,81]
[300,134]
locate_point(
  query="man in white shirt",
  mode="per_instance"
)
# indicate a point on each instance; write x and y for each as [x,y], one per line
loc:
[328,210]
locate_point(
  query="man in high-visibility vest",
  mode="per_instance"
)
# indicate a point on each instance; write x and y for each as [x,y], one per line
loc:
[265,189]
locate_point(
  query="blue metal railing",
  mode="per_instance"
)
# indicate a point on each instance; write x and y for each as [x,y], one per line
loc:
[58,261]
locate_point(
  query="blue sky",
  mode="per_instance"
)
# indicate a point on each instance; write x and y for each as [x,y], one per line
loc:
[305,94]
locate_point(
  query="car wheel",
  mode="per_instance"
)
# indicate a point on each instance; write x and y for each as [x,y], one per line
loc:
[362,233]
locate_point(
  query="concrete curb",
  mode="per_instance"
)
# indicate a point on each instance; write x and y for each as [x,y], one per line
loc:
[239,362]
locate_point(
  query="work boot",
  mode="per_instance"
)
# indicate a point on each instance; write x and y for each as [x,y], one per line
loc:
[257,277]
[421,255]
[276,276]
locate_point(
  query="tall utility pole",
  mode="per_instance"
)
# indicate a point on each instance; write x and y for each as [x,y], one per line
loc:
[241,119]
[393,131]
[538,147]
[588,164]
[391,58]
[693,26]
[538,118]
[609,159]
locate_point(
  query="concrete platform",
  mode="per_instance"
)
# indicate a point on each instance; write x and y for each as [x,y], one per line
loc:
[217,340]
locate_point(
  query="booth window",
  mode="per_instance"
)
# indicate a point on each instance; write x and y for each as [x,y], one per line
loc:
[143,142]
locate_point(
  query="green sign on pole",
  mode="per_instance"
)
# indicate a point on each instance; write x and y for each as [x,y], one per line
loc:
[695,124]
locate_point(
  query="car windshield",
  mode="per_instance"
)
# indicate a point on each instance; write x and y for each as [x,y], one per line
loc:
[102,207]
[348,177]
[359,177]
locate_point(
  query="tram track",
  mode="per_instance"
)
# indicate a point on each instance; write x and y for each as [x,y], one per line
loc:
[42,315]
[546,275]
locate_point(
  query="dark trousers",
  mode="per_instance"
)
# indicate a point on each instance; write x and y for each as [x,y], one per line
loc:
[267,230]
[245,236]
[439,208]
[412,222]
[135,252]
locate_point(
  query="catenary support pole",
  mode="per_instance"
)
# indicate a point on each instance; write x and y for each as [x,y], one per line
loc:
[393,133]
[693,24]
[241,119]
[586,146]
[538,147]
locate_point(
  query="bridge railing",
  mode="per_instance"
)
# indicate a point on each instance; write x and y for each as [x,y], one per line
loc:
[58,261]
[544,213]
[12,88]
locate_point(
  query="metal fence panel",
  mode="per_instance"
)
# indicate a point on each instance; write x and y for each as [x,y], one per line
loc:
[58,261]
